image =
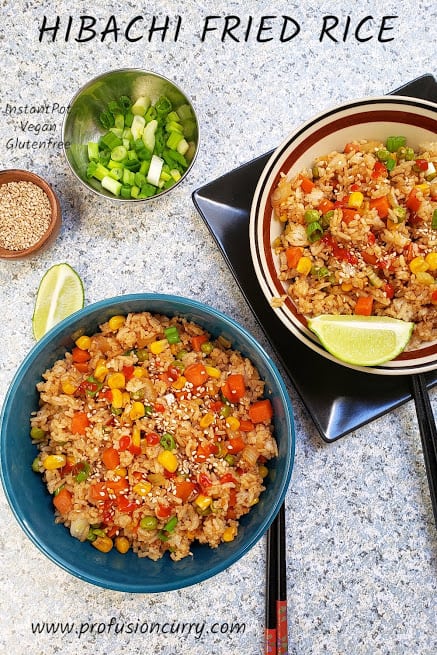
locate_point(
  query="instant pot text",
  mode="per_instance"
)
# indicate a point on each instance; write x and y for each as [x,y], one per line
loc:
[227,29]
[35,126]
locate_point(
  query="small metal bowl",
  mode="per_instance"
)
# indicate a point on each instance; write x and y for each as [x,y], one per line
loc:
[82,124]
[50,234]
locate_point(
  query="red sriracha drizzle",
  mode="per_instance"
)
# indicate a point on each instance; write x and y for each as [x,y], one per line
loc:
[338,251]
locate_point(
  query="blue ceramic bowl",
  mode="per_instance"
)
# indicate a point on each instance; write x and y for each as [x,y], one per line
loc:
[32,504]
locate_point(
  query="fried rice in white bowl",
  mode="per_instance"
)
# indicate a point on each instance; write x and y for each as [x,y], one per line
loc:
[344,222]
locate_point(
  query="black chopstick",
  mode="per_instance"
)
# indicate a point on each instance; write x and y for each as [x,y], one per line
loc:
[276,628]
[428,434]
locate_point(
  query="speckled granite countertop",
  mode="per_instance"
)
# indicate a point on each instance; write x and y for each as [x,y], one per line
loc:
[361,538]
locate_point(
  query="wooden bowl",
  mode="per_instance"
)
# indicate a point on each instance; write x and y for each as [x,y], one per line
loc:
[16,175]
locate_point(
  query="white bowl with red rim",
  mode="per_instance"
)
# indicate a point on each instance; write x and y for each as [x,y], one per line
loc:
[367,118]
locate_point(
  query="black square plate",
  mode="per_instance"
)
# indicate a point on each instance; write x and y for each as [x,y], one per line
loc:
[338,399]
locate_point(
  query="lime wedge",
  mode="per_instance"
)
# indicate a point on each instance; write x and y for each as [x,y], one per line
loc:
[362,340]
[60,293]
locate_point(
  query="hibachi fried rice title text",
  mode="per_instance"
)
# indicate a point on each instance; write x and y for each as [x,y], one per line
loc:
[225,29]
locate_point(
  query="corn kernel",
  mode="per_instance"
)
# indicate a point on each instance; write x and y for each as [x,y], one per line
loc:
[136,435]
[431,260]
[83,342]
[233,423]
[140,372]
[116,381]
[424,187]
[157,347]
[142,488]
[213,372]
[68,387]
[346,286]
[179,383]
[206,420]
[125,398]
[104,544]
[203,502]
[168,460]
[122,544]
[418,265]
[116,322]
[120,472]
[304,265]
[117,399]
[355,200]
[230,533]
[53,462]
[137,411]
[100,372]
[263,470]
[425,278]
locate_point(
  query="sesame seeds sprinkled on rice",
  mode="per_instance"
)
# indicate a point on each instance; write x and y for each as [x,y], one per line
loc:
[164,453]
[360,234]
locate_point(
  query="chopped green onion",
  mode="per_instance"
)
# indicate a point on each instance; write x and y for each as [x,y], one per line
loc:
[390,163]
[172,334]
[434,220]
[314,231]
[383,154]
[111,140]
[106,119]
[83,473]
[171,524]
[393,143]
[93,151]
[119,153]
[155,169]
[167,441]
[311,216]
[400,213]
[140,106]
[111,185]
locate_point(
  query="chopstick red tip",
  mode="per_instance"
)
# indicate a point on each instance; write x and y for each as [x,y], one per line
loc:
[270,641]
[281,628]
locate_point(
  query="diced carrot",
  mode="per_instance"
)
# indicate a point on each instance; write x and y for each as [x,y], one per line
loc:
[351,147]
[293,254]
[79,423]
[413,202]
[184,489]
[307,185]
[82,367]
[261,411]
[234,388]
[63,501]
[111,458]
[381,205]
[348,214]
[80,355]
[196,374]
[369,257]
[197,340]
[128,372]
[117,486]
[98,492]
[246,426]
[326,205]
[204,450]
[364,305]
[235,445]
